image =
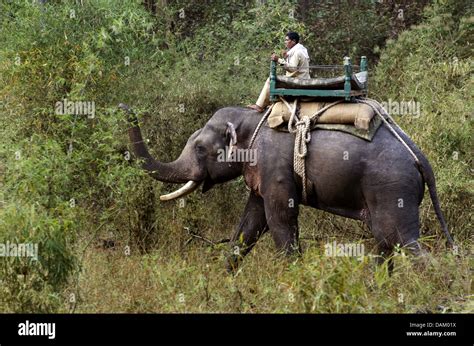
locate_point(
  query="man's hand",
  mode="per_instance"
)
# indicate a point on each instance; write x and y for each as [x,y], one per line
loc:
[274,57]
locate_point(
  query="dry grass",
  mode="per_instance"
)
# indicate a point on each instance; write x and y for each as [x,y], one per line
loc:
[194,280]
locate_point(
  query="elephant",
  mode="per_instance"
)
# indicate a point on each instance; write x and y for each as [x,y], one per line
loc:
[376,182]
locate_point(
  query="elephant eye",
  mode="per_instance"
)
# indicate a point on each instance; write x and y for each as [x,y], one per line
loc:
[200,148]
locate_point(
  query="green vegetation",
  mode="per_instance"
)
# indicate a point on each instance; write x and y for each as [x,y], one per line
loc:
[106,242]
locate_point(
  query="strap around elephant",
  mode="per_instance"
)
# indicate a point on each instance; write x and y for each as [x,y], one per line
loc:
[262,121]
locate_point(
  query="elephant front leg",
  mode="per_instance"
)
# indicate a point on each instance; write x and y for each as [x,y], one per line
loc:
[252,225]
[282,209]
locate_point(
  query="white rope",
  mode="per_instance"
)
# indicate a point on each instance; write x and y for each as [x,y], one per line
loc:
[375,106]
[302,130]
[265,116]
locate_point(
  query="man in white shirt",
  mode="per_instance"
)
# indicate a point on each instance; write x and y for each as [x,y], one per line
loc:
[295,63]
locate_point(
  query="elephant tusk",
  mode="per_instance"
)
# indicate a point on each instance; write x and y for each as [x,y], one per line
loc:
[186,189]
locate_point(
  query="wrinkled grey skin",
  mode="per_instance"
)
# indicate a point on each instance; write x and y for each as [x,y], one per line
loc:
[377,182]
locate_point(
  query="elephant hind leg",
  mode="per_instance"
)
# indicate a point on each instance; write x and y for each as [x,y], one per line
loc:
[395,224]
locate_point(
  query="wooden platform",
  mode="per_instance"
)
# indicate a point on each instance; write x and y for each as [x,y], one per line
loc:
[347,86]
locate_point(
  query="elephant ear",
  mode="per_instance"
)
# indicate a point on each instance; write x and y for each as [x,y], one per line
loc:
[231,137]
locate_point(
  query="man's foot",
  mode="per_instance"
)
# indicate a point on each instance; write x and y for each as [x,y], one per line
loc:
[256,107]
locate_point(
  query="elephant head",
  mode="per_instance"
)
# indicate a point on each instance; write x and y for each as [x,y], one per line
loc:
[205,158]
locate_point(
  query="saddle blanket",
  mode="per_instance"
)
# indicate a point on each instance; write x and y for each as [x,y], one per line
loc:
[357,119]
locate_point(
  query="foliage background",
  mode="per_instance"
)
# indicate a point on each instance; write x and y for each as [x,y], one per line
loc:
[106,242]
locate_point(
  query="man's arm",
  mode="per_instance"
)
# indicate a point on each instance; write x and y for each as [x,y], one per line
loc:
[293,65]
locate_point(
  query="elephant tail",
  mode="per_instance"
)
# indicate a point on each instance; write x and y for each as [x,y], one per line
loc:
[428,176]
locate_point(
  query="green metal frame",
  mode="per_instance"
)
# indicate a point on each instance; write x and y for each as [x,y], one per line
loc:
[347,92]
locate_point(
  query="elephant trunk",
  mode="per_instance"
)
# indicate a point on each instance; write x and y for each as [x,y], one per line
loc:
[173,172]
